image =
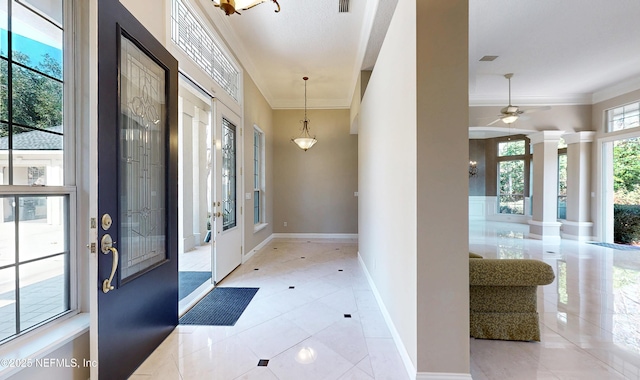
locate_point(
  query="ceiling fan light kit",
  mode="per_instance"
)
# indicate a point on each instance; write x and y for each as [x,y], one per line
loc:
[231,6]
[511,113]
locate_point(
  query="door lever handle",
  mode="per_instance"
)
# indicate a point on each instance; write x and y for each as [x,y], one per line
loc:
[106,284]
[106,247]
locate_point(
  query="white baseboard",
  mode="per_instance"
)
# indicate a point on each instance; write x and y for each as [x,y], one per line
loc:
[408,364]
[314,236]
[443,376]
[248,255]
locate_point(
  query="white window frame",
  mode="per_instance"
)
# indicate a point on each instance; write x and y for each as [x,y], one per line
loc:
[67,326]
[260,189]
[608,115]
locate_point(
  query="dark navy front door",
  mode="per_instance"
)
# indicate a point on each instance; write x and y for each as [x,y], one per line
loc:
[137,192]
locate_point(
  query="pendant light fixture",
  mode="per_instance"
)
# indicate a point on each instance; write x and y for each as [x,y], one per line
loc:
[230,6]
[305,141]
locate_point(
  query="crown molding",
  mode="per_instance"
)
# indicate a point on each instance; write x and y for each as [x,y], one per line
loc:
[616,90]
[528,101]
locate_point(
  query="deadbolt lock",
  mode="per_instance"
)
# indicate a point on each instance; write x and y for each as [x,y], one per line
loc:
[106,222]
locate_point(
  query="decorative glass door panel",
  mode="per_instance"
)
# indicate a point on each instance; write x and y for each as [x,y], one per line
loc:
[228,175]
[142,161]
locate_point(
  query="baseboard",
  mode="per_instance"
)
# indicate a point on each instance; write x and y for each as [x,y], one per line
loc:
[406,360]
[314,236]
[443,376]
[255,249]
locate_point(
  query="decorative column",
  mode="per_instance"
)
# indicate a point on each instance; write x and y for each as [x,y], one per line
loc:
[544,223]
[578,225]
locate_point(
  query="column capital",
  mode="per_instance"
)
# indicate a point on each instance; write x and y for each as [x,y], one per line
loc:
[579,137]
[545,136]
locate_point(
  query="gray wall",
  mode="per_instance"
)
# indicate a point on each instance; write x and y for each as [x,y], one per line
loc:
[477,153]
[314,190]
[257,112]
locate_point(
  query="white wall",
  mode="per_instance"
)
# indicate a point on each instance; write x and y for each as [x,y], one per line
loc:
[387,175]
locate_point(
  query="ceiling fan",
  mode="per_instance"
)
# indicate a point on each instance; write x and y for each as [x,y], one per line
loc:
[511,113]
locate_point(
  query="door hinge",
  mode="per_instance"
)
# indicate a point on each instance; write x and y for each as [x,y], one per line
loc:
[93,248]
[94,223]
[241,251]
[240,170]
[240,210]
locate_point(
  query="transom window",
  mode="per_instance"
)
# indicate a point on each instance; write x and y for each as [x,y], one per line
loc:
[35,218]
[206,52]
[624,117]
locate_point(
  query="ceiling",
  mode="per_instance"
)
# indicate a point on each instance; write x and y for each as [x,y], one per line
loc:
[561,52]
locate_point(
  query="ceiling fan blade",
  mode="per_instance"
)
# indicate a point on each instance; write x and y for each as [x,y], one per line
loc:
[536,109]
[495,121]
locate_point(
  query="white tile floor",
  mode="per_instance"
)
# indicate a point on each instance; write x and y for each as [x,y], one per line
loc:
[589,316]
[302,331]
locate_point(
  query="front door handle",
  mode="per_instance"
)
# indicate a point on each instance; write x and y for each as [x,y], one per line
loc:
[107,246]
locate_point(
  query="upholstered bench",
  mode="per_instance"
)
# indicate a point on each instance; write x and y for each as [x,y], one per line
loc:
[503,299]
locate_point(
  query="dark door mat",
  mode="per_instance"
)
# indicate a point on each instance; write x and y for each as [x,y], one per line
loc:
[221,307]
[189,281]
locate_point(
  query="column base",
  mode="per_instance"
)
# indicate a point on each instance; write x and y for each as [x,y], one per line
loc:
[581,231]
[547,231]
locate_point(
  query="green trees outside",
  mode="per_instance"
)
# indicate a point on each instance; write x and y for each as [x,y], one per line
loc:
[626,171]
[626,186]
[511,177]
[37,99]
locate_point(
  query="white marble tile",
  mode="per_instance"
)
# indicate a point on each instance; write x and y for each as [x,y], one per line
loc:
[346,338]
[589,315]
[270,338]
[365,366]
[342,300]
[309,360]
[314,316]
[374,324]
[258,373]
[385,359]
[226,359]
[355,374]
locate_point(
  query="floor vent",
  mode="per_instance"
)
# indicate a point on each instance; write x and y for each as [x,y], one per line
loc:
[343,6]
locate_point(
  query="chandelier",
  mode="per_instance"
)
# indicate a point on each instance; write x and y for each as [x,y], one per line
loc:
[305,141]
[229,6]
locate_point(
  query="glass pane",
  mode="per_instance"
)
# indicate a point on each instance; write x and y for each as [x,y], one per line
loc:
[4,27]
[4,155]
[511,186]
[41,157]
[4,91]
[37,42]
[49,9]
[7,302]
[7,231]
[37,100]
[256,207]
[142,161]
[228,174]
[624,117]
[511,148]
[43,226]
[43,290]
